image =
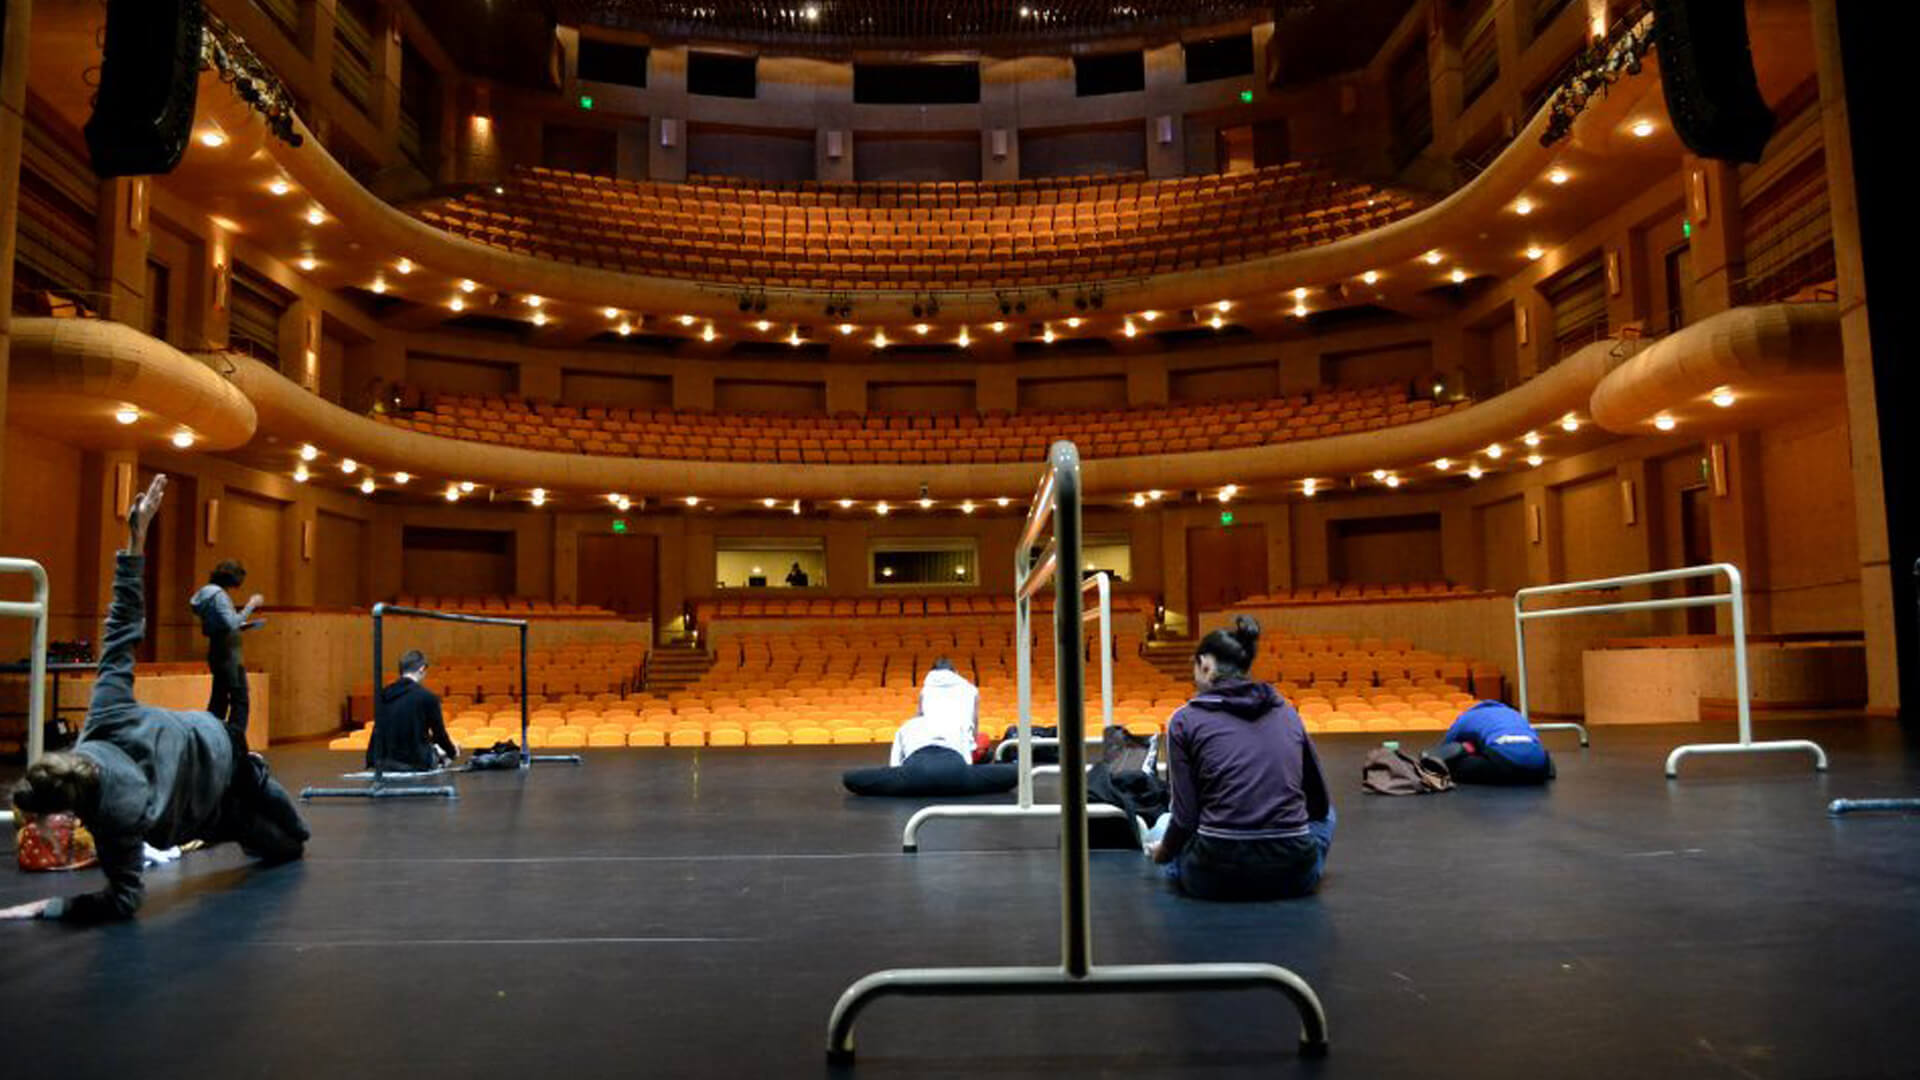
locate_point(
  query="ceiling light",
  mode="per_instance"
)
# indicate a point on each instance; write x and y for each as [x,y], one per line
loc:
[1556,175]
[1073,322]
[926,503]
[921,329]
[1047,335]
[625,504]
[1723,397]
[1379,474]
[1392,481]
[366,485]
[307,262]
[613,497]
[1642,128]
[405,266]
[1224,305]
[453,492]
[1128,328]
[300,473]
[1300,292]
[1002,500]
[879,339]
[686,320]
[1664,422]
[379,286]
[1371,277]
[539,318]
[794,339]
[212,138]
[539,497]
[126,414]
[1494,451]
[532,301]
[467,285]
[402,477]
[1569,423]
[1139,500]
[348,465]
[1531,438]
[964,340]
[997,326]
[308,452]
[183,438]
[1216,322]
[466,487]
[457,304]
[693,500]
[1443,464]
[1308,487]
[1229,492]
[882,508]
[1474,472]
[768,503]
[796,506]
[811,12]
[611,313]
[1300,311]
[846,504]
[1433,258]
[1457,276]
[1534,251]
[763,326]
[623,329]
[845,328]
[1535,460]
[316,216]
[707,333]
[967,507]
[1155,494]
[1150,315]
[1523,206]
[279,187]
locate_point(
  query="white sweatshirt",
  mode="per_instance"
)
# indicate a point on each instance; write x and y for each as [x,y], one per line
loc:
[949,711]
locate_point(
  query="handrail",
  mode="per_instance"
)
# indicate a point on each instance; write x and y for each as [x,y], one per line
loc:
[35,609]
[1076,972]
[1734,597]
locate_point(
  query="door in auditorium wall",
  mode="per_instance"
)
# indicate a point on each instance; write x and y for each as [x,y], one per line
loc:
[619,572]
[1225,564]
[1696,549]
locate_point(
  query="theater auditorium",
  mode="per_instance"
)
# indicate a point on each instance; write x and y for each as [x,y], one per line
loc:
[477,473]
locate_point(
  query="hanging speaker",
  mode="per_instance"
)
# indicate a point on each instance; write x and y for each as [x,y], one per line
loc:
[1706,70]
[149,78]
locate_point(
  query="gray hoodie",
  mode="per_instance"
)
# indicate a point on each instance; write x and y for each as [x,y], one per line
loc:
[218,617]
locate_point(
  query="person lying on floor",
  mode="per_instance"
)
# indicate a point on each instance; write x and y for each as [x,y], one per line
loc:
[1491,743]
[1251,818]
[146,775]
[409,733]
[933,752]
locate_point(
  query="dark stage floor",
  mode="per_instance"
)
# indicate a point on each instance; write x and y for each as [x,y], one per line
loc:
[681,913]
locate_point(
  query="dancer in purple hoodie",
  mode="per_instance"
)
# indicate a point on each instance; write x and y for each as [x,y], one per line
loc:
[1251,818]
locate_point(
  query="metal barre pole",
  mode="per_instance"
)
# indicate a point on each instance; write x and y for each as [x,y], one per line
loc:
[1076,933]
[36,651]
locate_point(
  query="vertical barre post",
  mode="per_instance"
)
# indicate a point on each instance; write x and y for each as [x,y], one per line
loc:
[1742,707]
[526,753]
[373,698]
[1520,655]
[1023,648]
[1076,944]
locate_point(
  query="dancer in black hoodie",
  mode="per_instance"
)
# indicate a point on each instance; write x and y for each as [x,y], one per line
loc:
[407,725]
[143,773]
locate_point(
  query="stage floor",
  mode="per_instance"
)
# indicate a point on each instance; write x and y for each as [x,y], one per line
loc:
[697,913]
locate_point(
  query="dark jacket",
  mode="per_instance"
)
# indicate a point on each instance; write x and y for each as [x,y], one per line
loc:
[163,774]
[219,620]
[1241,767]
[407,725]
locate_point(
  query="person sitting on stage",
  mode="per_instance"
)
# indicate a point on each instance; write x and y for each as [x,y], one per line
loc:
[143,773]
[229,701]
[1251,818]
[1491,743]
[409,734]
[933,752]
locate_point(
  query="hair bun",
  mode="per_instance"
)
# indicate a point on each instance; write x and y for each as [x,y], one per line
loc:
[1246,630]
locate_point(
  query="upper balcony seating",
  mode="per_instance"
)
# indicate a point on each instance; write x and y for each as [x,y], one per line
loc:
[903,438]
[913,236]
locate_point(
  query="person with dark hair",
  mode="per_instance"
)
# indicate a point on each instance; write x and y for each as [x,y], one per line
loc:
[140,773]
[1491,743]
[229,701]
[409,734]
[797,577]
[1251,818]
[933,751]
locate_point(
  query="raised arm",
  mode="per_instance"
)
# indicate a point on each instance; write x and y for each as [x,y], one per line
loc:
[126,617]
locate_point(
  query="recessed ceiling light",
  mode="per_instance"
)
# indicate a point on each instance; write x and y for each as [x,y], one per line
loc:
[457,304]
[1474,472]
[763,326]
[405,266]
[1393,481]
[126,414]
[1433,258]
[1531,438]
[1149,315]
[1723,397]
[1443,464]
[611,313]
[1642,128]
[466,487]
[926,503]
[1569,422]
[539,318]
[307,262]
[1216,322]
[883,510]
[623,329]
[845,328]
[1457,276]
[1073,322]
[1664,422]
[1224,305]
[693,500]
[1494,451]
[348,465]
[1379,474]
[1534,251]
[1534,460]
[279,187]
[1002,500]
[1556,175]
[1371,277]
[308,452]
[532,301]
[467,285]
[402,477]
[686,320]
[212,138]
[1523,206]
[316,216]
[997,326]
[846,504]
[967,507]
[183,438]
[366,485]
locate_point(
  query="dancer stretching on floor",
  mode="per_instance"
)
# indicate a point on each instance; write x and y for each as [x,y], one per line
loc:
[1491,743]
[141,773]
[933,752]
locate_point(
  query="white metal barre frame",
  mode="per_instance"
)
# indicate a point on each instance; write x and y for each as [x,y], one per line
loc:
[1734,597]
[1024,740]
[1058,499]
[35,609]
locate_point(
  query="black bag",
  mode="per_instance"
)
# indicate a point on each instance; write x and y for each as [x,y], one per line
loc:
[1125,777]
[1042,755]
[504,754]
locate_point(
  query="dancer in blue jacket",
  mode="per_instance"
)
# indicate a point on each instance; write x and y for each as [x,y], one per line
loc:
[1491,743]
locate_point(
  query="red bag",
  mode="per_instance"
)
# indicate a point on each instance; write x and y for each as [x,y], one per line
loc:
[54,842]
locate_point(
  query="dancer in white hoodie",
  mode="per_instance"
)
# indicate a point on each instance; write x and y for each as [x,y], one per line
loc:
[933,752]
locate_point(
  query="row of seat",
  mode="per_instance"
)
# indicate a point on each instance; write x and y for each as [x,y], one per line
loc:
[924,237]
[706,611]
[511,606]
[1349,592]
[803,439]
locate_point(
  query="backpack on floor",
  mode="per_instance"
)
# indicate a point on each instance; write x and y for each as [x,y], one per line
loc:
[1390,772]
[53,842]
[1126,777]
[504,754]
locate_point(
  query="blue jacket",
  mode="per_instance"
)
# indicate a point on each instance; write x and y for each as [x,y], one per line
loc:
[1493,728]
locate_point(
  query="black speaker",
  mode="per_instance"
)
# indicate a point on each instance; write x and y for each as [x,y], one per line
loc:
[149,79]
[1706,70]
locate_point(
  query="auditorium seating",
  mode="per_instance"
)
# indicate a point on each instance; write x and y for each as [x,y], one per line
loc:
[518,607]
[934,235]
[778,607]
[903,438]
[1335,592]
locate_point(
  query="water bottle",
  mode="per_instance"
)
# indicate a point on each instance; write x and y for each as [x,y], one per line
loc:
[1391,744]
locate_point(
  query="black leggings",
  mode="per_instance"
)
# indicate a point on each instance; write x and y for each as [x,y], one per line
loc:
[933,770]
[1483,766]
[229,702]
[257,812]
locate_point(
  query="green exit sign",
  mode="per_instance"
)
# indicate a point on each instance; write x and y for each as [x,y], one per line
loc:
[586,101]
[619,525]
[1246,97]
[1226,517]
[1686,228]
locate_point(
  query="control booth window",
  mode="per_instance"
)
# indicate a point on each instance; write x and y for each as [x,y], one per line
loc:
[770,563]
[923,563]
[1114,554]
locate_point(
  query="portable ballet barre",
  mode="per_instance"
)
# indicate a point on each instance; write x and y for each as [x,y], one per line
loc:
[1058,500]
[1025,740]
[35,609]
[1734,598]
